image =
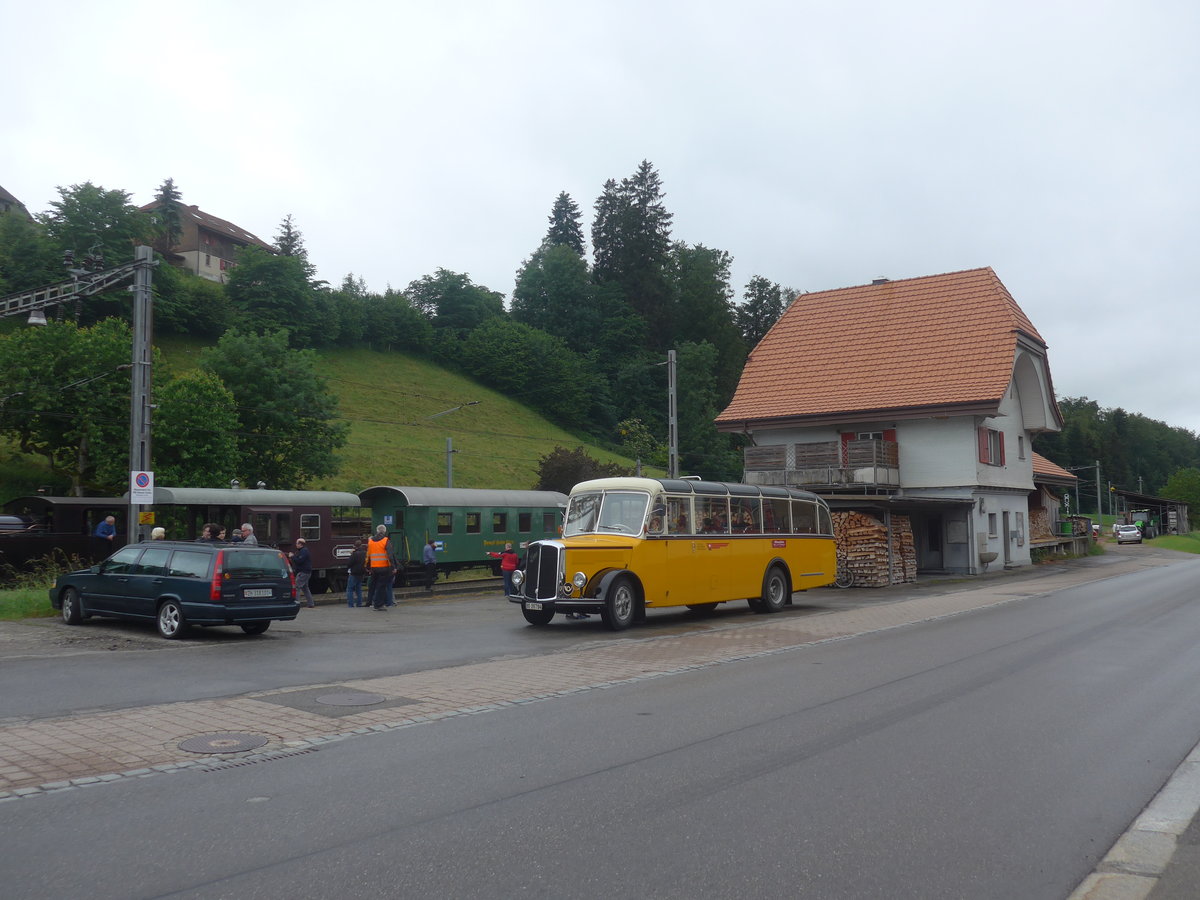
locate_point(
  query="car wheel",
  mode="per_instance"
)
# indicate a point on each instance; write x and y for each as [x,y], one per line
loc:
[775,591]
[537,616]
[171,623]
[256,627]
[72,606]
[620,604]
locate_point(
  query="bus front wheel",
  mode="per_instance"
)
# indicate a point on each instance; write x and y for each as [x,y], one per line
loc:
[537,616]
[620,604]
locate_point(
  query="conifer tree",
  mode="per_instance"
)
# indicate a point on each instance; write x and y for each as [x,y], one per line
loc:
[566,227]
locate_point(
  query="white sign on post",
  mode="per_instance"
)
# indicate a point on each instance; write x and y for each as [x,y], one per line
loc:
[141,488]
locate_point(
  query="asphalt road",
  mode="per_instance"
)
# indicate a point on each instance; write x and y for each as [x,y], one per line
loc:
[996,754]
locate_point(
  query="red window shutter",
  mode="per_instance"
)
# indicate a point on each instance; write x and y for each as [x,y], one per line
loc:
[983,445]
[847,437]
[889,434]
[1000,442]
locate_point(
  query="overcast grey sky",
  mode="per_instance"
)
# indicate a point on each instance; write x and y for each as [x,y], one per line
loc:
[821,144]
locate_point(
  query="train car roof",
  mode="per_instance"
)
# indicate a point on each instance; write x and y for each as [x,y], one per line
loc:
[253,497]
[433,496]
[46,500]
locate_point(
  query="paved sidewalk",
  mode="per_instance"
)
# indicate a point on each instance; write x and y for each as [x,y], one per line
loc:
[68,752]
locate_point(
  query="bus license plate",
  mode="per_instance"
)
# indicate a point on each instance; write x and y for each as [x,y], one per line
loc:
[257,592]
[533,606]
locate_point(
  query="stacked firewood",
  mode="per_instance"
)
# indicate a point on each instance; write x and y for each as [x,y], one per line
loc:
[862,548]
[1039,524]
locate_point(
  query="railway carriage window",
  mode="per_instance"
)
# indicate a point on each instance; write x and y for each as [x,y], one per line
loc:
[189,564]
[153,562]
[776,517]
[473,523]
[524,522]
[310,526]
[712,515]
[549,523]
[804,517]
[445,522]
[499,523]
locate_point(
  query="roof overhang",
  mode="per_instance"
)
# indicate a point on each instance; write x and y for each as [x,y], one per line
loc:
[852,416]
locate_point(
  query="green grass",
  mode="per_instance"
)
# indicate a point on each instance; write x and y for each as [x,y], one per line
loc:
[1188,543]
[387,400]
[25,603]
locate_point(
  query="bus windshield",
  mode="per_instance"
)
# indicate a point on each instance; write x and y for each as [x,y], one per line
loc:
[604,512]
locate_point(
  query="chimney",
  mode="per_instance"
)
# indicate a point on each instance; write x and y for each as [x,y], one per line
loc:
[880,280]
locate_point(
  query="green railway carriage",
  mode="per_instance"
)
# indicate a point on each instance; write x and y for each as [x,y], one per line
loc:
[466,524]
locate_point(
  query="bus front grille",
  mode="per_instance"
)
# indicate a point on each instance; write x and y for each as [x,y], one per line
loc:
[543,571]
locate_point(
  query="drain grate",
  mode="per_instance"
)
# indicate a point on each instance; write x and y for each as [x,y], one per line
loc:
[350,698]
[223,742]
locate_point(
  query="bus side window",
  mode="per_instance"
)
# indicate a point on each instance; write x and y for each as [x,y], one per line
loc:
[825,520]
[747,517]
[678,518]
[777,520]
[804,517]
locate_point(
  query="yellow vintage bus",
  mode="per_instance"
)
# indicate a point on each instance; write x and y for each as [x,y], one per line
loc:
[633,544]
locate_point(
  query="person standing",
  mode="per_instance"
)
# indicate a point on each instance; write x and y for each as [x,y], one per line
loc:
[355,569]
[105,537]
[509,562]
[302,565]
[158,534]
[382,568]
[429,561]
[248,534]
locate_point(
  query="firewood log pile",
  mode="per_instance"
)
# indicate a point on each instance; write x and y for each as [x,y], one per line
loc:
[1039,524]
[862,547]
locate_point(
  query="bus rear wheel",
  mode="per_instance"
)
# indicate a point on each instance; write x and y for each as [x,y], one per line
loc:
[620,604]
[775,591]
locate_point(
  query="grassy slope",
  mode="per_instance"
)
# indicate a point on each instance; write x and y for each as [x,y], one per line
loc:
[387,399]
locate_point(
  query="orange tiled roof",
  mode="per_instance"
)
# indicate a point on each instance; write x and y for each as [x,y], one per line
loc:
[939,341]
[1043,466]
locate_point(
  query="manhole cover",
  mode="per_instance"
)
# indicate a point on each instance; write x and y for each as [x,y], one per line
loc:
[351,698]
[222,743]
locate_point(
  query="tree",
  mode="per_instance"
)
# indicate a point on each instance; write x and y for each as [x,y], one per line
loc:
[195,431]
[453,302]
[631,241]
[269,292]
[287,419]
[640,442]
[561,469]
[762,305]
[703,450]
[186,303]
[554,292]
[704,310]
[566,228]
[168,217]
[65,397]
[28,258]
[1184,485]
[289,241]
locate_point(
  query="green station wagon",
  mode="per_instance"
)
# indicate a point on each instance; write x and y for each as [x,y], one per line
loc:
[177,584]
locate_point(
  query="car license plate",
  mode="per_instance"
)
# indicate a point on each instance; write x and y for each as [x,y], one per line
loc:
[257,592]
[533,606]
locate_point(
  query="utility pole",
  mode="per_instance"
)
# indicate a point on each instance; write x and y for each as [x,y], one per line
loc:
[139,391]
[672,419]
[1099,497]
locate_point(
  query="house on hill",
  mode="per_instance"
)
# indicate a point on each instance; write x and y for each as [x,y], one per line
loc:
[910,406]
[207,245]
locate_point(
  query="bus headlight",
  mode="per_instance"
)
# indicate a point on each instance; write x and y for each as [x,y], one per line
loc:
[580,580]
[518,578]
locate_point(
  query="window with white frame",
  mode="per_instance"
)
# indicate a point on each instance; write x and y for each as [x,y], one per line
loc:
[991,446]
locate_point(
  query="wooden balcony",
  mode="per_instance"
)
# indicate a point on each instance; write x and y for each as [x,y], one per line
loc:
[856,466]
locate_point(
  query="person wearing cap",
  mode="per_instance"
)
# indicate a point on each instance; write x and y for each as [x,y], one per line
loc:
[302,566]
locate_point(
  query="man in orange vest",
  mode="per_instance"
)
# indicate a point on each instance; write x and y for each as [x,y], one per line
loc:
[381,564]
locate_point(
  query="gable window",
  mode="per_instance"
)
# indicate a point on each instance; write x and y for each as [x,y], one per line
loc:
[991,446]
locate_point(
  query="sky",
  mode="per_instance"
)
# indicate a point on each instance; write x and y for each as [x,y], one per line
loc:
[821,144]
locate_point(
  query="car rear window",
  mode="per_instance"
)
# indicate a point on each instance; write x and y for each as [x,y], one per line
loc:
[255,564]
[190,563]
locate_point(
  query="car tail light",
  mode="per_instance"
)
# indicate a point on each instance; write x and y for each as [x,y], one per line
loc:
[214,593]
[291,574]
